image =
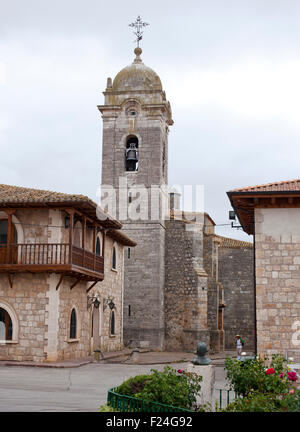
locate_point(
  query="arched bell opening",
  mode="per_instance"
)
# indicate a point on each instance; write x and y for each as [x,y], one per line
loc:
[131,153]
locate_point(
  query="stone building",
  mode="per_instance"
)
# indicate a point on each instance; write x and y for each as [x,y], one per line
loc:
[208,287]
[173,296]
[271,212]
[61,276]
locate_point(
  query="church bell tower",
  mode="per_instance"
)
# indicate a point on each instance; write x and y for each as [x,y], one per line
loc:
[136,119]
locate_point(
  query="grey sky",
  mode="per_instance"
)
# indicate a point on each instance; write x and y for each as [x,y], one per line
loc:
[230,70]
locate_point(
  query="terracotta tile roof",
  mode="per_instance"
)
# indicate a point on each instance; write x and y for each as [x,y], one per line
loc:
[226,242]
[20,197]
[18,194]
[282,186]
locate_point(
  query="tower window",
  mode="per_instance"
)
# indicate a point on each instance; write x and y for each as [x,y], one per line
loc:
[129,253]
[129,310]
[132,154]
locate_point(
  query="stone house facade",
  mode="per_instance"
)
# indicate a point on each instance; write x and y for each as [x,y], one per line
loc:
[271,212]
[56,259]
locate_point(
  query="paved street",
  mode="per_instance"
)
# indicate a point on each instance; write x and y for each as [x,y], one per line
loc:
[73,389]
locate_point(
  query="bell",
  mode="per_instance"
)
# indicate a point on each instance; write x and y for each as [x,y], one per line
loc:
[131,157]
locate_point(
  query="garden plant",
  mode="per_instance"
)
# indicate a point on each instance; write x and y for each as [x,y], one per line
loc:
[169,387]
[263,385]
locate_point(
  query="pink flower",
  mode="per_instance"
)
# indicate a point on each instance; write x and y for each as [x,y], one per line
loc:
[270,371]
[291,391]
[281,375]
[179,371]
[292,376]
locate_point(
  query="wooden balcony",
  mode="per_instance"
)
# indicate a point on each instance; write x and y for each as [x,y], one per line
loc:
[51,257]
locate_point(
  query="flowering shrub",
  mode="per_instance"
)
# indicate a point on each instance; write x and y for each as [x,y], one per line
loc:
[252,375]
[263,389]
[267,402]
[171,387]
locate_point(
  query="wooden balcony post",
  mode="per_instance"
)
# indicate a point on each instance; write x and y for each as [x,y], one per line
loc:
[83,239]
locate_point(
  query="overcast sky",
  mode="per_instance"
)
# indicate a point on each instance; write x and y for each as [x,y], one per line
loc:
[230,69]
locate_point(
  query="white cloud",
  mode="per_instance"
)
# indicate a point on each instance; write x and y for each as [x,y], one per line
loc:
[252,88]
[2,74]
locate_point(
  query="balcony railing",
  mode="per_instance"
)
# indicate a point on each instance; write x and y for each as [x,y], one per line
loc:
[49,256]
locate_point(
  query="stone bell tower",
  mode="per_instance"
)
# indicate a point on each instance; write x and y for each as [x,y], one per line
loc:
[136,119]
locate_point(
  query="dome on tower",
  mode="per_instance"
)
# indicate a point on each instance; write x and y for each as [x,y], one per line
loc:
[137,76]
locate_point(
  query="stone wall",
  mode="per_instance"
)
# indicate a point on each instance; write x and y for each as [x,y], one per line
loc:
[210,258]
[277,244]
[25,302]
[144,286]
[236,274]
[185,287]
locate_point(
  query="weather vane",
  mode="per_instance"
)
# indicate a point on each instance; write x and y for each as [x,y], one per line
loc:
[138,25]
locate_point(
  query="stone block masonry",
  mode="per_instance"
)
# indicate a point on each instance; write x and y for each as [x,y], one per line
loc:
[277,280]
[144,286]
[236,274]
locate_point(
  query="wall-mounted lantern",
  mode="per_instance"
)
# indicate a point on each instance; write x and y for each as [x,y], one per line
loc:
[108,302]
[93,300]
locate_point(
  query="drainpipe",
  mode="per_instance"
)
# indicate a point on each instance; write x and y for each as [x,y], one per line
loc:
[254,275]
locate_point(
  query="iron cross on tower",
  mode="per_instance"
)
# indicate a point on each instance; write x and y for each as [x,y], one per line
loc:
[138,25]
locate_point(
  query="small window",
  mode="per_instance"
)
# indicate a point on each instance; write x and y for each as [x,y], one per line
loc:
[114,259]
[5,325]
[129,310]
[73,325]
[129,253]
[112,323]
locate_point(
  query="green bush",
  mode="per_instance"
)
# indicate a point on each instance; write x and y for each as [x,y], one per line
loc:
[257,375]
[107,408]
[172,388]
[169,387]
[264,402]
[133,385]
